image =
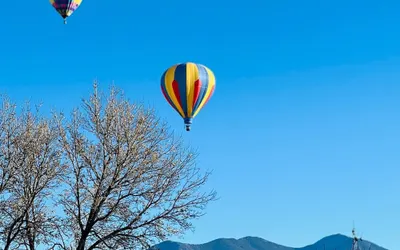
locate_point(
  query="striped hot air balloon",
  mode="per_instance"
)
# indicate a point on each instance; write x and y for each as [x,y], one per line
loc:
[65,7]
[187,88]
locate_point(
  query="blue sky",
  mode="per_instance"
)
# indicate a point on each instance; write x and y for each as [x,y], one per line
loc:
[303,130]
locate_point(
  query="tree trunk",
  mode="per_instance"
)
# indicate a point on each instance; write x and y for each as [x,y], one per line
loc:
[82,240]
[29,233]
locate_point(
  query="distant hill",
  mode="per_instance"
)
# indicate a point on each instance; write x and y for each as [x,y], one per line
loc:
[333,242]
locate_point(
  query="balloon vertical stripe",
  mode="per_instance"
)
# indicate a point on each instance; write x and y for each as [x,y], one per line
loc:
[168,80]
[177,93]
[187,87]
[209,96]
[192,75]
[196,91]
[166,95]
[164,91]
[203,79]
[209,90]
[180,78]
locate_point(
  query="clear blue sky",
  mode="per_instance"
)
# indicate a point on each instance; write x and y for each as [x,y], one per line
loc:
[303,132]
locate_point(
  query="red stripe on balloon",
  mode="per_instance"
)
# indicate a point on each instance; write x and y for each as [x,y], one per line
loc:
[197,86]
[175,87]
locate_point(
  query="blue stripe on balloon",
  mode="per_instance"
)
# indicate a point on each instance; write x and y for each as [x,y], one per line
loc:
[180,77]
[203,77]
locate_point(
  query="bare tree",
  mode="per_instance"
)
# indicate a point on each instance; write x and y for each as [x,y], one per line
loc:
[130,182]
[33,160]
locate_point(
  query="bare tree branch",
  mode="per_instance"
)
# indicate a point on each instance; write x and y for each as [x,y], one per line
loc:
[8,135]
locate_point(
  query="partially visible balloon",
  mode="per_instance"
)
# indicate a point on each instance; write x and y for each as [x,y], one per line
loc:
[187,88]
[65,7]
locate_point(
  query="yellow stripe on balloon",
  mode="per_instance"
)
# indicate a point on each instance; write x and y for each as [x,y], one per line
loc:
[169,78]
[211,85]
[192,74]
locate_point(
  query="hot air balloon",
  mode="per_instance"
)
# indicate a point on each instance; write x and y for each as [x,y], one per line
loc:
[65,7]
[187,88]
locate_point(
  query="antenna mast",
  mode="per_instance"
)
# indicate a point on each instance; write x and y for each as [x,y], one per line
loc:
[356,239]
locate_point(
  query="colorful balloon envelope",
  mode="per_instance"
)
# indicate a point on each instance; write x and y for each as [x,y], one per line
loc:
[187,88]
[65,7]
